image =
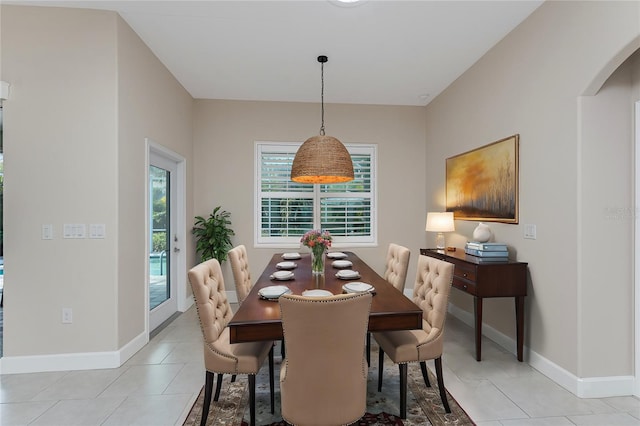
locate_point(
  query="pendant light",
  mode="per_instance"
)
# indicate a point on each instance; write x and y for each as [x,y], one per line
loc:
[322,159]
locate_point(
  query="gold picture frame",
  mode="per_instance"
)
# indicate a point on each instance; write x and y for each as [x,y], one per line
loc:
[482,184]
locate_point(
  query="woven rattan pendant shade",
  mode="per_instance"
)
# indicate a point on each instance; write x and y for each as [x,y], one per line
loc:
[322,159]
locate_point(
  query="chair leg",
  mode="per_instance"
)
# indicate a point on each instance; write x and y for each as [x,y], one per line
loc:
[208,387]
[218,387]
[380,368]
[368,349]
[271,382]
[443,391]
[282,350]
[252,399]
[233,378]
[425,375]
[403,391]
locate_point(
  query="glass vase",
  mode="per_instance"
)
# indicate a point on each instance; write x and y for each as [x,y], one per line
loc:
[317,260]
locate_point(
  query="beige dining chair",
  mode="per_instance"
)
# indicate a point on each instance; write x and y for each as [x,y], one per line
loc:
[323,379]
[242,276]
[395,272]
[431,294]
[241,273]
[220,356]
[396,265]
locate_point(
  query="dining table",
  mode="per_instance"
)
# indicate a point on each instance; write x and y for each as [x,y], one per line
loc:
[258,319]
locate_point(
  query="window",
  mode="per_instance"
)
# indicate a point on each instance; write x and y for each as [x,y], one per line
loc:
[285,210]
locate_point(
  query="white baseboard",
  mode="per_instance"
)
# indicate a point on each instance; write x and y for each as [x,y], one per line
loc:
[603,387]
[589,387]
[232,296]
[72,361]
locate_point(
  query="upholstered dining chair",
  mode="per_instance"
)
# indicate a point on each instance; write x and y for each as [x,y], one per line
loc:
[221,356]
[242,276]
[241,273]
[396,265]
[323,379]
[431,294]
[395,272]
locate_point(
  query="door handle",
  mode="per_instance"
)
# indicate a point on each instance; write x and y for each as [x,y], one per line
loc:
[176,250]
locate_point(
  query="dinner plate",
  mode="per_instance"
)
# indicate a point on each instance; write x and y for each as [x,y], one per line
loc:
[282,275]
[316,292]
[347,274]
[342,264]
[291,256]
[336,255]
[286,265]
[357,287]
[274,291]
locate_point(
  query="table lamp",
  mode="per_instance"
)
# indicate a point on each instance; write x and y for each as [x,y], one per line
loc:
[440,222]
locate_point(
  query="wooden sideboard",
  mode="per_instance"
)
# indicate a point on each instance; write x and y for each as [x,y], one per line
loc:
[490,279]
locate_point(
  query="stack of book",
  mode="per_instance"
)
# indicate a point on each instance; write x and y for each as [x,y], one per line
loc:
[488,252]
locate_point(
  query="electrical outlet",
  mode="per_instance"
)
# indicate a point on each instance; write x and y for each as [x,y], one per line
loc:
[67,315]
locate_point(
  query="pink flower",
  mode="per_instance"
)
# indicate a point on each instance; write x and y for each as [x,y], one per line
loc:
[316,238]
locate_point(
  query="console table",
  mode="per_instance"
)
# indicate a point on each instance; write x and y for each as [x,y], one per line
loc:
[490,279]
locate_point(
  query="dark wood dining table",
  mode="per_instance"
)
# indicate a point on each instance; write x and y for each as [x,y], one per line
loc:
[259,319]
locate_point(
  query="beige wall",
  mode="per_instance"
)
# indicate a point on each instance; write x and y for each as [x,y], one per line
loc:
[224,143]
[605,220]
[151,104]
[581,263]
[60,167]
[85,92]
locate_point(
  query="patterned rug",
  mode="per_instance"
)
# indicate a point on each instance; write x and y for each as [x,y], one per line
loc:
[424,406]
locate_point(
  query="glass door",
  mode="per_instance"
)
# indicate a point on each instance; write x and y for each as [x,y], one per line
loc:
[163,239]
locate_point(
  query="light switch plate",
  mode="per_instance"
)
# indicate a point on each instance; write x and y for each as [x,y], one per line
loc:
[75,230]
[530,232]
[97,230]
[47,232]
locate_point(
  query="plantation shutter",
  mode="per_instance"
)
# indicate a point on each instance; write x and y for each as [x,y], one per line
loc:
[345,209]
[288,209]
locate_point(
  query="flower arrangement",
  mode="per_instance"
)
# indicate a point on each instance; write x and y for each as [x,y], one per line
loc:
[318,241]
[317,238]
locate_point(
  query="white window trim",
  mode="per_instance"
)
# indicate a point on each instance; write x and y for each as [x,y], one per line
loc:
[294,243]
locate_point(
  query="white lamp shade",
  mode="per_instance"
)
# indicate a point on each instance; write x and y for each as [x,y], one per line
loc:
[440,222]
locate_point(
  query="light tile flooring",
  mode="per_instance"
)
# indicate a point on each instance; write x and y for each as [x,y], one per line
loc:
[158,385]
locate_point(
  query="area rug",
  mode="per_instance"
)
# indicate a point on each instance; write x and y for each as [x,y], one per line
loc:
[424,406]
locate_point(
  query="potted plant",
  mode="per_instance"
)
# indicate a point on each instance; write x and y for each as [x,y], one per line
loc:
[213,235]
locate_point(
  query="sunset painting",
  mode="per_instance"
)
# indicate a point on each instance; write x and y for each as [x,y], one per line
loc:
[483,184]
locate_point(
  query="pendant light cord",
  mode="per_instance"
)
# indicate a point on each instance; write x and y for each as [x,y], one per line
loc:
[322,96]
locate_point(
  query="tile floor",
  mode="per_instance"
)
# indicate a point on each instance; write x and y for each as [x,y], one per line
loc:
[158,385]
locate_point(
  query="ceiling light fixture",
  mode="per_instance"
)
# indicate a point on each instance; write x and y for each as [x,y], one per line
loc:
[322,159]
[346,3]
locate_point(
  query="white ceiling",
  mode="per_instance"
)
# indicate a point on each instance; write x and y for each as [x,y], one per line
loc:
[380,52]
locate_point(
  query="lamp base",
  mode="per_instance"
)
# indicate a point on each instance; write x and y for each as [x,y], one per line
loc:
[440,245]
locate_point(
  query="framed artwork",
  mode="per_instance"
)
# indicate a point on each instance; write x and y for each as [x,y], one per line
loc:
[482,184]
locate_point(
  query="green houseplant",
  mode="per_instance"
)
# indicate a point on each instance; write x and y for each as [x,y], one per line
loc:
[213,235]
